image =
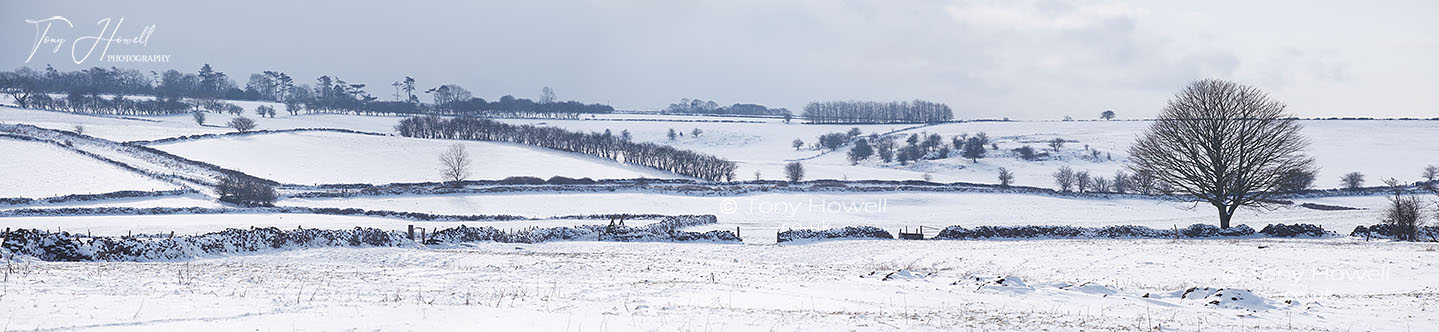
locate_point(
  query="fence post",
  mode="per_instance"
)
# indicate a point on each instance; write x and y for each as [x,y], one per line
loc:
[412,233]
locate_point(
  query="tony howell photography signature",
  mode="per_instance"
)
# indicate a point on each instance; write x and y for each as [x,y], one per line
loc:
[55,33]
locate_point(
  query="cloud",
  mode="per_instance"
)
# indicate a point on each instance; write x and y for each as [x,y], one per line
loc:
[1019,59]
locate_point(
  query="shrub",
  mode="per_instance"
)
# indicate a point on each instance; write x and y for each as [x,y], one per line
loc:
[1025,152]
[242,124]
[1405,214]
[245,191]
[794,171]
[833,141]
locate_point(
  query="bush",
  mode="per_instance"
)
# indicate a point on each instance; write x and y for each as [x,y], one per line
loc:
[833,141]
[245,191]
[1404,215]
[794,171]
[1025,152]
[242,124]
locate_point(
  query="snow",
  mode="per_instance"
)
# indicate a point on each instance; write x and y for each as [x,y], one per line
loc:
[1387,148]
[1329,283]
[331,157]
[722,287]
[38,169]
[189,200]
[767,213]
[192,224]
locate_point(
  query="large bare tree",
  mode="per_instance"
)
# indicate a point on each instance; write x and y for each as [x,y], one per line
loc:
[455,164]
[1222,143]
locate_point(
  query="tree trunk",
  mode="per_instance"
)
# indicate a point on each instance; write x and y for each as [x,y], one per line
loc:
[1224,215]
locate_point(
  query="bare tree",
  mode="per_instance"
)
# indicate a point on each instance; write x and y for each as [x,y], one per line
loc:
[1405,214]
[455,164]
[79,129]
[1101,185]
[1352,181]
[1430,174]
[1056,143]
[794,171]
[1082,181]
[199,117]
[1107,115]
[877,112]
[1064,178]
[547,95]
[1005,177]
[798,143]
[1121,182]
[242,124]
[1222,143]
[974,148]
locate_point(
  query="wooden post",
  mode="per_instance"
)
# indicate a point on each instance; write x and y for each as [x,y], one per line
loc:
[412,233]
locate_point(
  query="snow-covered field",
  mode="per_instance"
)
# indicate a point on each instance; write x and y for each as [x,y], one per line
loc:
[330,157]
[191,224]
[1378,148]
[1335,283]
[761,215]
[1133,285]
[37,170]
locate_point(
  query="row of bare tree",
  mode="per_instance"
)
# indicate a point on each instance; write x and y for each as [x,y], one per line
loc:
[604,145]
[917,111]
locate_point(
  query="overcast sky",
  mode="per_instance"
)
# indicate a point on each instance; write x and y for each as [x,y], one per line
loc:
[1018,59]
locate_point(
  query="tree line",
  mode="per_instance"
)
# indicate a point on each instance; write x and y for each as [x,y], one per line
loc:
[604,145]
[178,92]
[918,111]
[700,106]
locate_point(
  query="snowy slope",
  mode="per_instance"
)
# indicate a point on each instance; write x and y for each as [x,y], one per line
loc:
[329,157]
[190,224]
[1378,148]
[36,169]
[585,286]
